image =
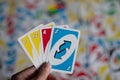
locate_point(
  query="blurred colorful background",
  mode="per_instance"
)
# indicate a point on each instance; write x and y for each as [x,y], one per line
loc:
[98,56]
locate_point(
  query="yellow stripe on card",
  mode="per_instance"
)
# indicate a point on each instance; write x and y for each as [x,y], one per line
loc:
[27,45]
[35,37]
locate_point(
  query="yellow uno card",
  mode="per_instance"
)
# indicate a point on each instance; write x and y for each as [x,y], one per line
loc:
[27,46]
[35,39]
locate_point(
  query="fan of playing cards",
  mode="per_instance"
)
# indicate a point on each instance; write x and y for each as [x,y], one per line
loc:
[54,44]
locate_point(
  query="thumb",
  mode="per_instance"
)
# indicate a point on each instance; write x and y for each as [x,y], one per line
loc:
[43,71]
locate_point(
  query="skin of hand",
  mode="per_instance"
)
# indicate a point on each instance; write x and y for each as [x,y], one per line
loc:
[31,73]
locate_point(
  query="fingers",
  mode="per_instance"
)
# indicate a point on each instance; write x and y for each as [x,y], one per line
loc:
[44,71]
[24,74]
[31,73]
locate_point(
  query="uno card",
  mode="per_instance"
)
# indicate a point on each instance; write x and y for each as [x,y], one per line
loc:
[45,38]
[46,33]
[27,46]
[63,49]
[35,39]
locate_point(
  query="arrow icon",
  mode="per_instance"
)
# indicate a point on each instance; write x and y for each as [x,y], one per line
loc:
[62,49]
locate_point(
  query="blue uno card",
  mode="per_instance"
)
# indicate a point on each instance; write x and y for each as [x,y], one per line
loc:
[63,48]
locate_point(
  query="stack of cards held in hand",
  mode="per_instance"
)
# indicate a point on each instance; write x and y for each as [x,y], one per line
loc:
[54,44]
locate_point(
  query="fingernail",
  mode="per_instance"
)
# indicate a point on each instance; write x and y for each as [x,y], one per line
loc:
[47,66]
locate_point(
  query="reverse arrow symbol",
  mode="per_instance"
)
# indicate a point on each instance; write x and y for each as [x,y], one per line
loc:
[62,49]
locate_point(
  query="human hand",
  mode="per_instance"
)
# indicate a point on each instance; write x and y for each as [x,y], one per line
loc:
[32,73]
